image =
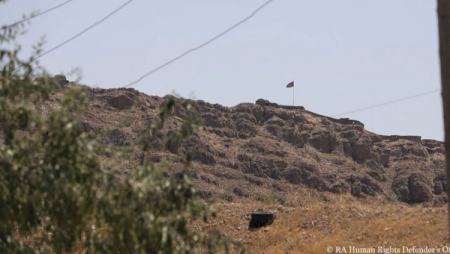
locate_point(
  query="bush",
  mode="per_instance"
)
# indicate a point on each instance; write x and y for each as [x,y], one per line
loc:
[54,192]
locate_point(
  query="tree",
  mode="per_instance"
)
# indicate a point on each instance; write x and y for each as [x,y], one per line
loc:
[52,187]
[444,52]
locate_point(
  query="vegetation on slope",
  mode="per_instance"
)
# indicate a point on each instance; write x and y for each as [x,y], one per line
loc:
[54,190]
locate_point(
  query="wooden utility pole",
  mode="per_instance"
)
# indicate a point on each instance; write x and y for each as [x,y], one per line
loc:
[444,53]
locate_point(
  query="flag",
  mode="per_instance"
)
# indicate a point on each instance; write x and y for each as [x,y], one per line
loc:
[290,84]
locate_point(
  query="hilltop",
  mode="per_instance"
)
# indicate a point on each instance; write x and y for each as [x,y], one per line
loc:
[264,151]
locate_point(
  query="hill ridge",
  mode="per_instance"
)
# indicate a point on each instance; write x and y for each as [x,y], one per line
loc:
[262,150]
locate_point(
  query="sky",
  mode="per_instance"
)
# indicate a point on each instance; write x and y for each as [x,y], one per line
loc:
[343,55]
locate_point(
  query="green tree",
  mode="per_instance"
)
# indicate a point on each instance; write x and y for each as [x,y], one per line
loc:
[53,190]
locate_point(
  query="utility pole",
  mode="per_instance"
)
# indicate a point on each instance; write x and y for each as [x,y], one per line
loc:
[444,53]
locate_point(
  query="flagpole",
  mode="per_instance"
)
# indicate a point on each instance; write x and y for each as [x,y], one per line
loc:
[293,89]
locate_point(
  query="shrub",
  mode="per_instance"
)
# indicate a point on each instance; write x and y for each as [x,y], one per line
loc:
[53,190]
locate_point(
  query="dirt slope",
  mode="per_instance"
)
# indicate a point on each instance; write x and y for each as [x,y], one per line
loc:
[314,226]
[329,181]
[267,152]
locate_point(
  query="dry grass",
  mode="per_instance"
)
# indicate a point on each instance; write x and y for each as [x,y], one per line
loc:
[315,225]
[341,222]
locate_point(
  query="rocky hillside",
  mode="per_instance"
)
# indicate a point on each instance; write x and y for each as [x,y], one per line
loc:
[273,153]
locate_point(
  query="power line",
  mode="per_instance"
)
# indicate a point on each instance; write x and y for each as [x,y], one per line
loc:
[201,45]
[85,30]
[389,102]
[37,15]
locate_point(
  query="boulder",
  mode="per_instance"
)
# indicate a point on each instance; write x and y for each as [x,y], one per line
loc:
[324,141]
[363,151]
[413,189]
[420,188]
[286,115]
[121,102]
[401,189]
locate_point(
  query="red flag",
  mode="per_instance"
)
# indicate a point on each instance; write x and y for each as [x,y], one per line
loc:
[290,84]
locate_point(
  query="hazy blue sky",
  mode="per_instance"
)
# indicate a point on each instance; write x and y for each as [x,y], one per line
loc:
[343,55]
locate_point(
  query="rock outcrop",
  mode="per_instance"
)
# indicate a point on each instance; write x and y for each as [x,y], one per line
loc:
[415,188]
[251,149]
[121,102]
